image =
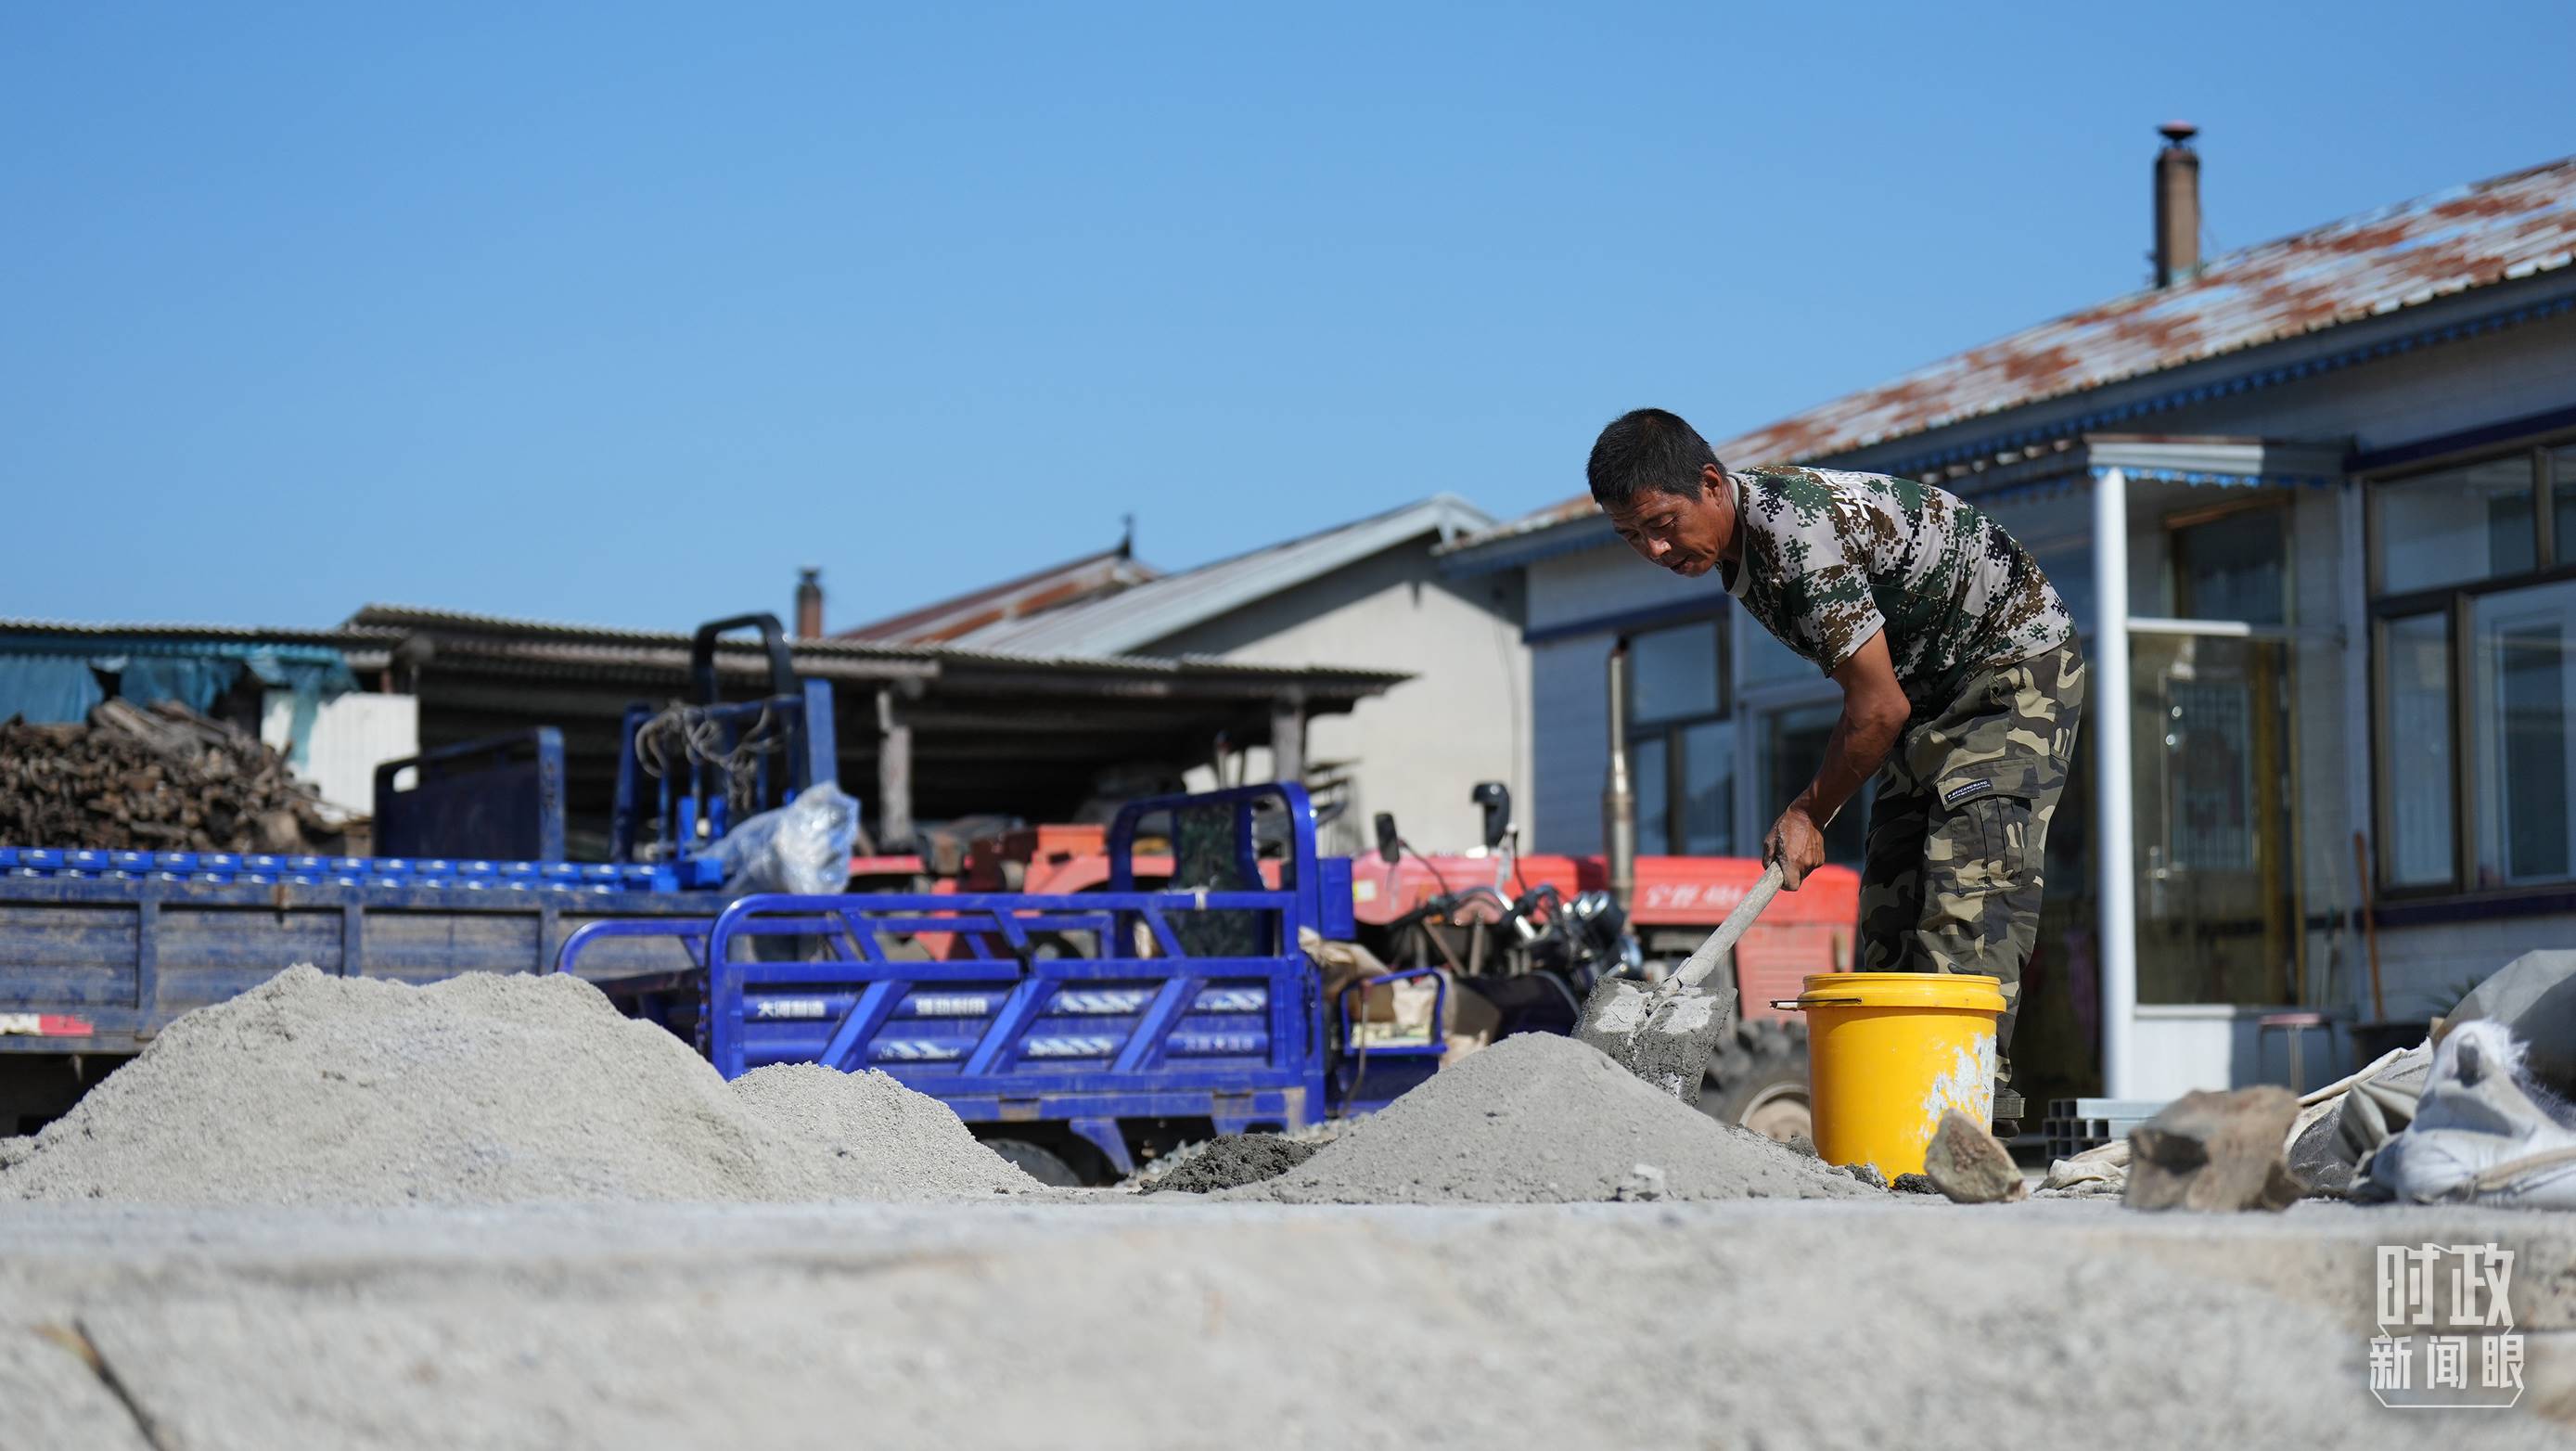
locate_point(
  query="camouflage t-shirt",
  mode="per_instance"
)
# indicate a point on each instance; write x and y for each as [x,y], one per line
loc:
[1831,558]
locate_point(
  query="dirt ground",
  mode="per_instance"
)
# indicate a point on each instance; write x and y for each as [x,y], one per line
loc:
[1149,1322]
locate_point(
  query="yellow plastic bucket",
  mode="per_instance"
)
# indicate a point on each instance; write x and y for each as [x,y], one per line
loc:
[1888,1052]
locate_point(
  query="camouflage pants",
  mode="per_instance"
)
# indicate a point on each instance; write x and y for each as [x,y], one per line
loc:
[1958,826]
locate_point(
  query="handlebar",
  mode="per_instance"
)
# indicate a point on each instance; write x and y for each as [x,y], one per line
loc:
[773,641]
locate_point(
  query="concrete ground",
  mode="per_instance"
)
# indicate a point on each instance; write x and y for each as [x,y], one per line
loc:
[1152,1324]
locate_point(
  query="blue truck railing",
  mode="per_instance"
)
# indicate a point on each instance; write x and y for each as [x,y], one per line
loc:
[1078,1012]
[103,949]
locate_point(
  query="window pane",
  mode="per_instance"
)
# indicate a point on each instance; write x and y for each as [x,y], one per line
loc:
[1672,674]
[2562,489]
[2231,569]
[1708,789]
[2460,524]
[1793,746]
[2524,692]
[2418,672]
[1654,798]
[1765,658]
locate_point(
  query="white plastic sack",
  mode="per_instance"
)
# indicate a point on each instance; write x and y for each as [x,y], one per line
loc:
[2102,1170]
[2484,1132]
[802,847]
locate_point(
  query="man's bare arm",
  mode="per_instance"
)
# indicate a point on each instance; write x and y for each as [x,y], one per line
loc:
[1874,715]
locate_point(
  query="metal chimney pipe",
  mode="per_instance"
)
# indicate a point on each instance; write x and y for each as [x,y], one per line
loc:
[2177,204]
[1619,794]
[809,604]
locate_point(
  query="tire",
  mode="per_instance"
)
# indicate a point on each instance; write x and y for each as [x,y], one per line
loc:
[1043,1165]
[1757,1079]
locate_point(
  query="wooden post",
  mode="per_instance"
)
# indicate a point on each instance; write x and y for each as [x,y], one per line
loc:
[1288,738]
[2369,923]
[894,776]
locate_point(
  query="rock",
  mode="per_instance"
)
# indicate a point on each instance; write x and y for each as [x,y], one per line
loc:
[1969,1165]
[1645,1185]
[2215,1152]
[1913,1184]
[1867,1174]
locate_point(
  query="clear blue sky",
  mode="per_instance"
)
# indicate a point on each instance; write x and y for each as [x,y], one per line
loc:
[620,314]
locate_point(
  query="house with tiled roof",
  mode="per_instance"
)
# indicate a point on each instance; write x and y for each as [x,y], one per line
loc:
[2313,503]
[1366,594]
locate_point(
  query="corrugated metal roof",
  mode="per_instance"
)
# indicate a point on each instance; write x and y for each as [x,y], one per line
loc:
[1057,587]
[542,639]
[277,634]
[2365,266]
[1137,617]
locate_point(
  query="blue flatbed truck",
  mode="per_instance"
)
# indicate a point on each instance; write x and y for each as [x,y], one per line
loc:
[1073,1032]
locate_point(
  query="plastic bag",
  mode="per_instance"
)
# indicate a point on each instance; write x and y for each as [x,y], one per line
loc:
[2485,1132]
[802,847]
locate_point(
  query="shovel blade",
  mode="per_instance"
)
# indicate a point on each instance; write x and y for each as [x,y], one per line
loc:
[1663,1038]
[1614,1012]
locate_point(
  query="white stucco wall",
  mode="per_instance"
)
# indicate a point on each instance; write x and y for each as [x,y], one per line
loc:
[1422,746]
[1593,583]
[1569,677]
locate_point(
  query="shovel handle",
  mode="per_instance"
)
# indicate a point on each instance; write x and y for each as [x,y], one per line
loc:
[1719,943]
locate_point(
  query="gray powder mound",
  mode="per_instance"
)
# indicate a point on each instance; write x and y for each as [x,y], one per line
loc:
[1229,1160]
[872,1138]
[1313,1136]
[1538,1119]
[486,1088]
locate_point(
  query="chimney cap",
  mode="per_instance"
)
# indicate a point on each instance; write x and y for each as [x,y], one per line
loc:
[2177,132]
[809,573]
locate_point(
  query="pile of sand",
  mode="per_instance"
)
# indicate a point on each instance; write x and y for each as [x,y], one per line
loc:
[1536,1119]
[481,1089]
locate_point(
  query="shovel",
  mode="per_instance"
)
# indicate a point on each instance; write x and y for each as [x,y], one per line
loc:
[1664,1034]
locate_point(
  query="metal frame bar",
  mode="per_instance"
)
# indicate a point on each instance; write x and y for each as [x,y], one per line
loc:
[2114,805]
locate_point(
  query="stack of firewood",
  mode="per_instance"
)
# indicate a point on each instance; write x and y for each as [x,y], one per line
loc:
[156,778]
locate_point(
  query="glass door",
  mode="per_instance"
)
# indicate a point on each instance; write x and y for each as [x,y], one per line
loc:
[2216,814]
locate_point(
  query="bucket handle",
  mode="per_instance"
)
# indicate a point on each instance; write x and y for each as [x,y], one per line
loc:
[1799,1005]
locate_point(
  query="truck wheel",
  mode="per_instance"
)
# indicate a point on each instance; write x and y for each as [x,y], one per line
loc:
[1757,1077]
[1040,1164]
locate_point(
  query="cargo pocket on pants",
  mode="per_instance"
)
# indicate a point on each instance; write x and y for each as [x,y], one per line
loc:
[1990,827]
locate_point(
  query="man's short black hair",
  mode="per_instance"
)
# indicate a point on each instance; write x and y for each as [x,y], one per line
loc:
[1648,449]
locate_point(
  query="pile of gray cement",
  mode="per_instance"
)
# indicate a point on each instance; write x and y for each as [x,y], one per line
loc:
[1537,1119]
[481,1089]
[1229,1160]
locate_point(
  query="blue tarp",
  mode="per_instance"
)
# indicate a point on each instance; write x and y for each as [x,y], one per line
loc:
[47,689]
[192,680]
[50,678]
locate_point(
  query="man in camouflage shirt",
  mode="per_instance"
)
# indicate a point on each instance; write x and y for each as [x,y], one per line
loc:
[1958,665]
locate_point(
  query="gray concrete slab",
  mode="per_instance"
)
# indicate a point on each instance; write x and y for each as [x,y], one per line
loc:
[1192,1324]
